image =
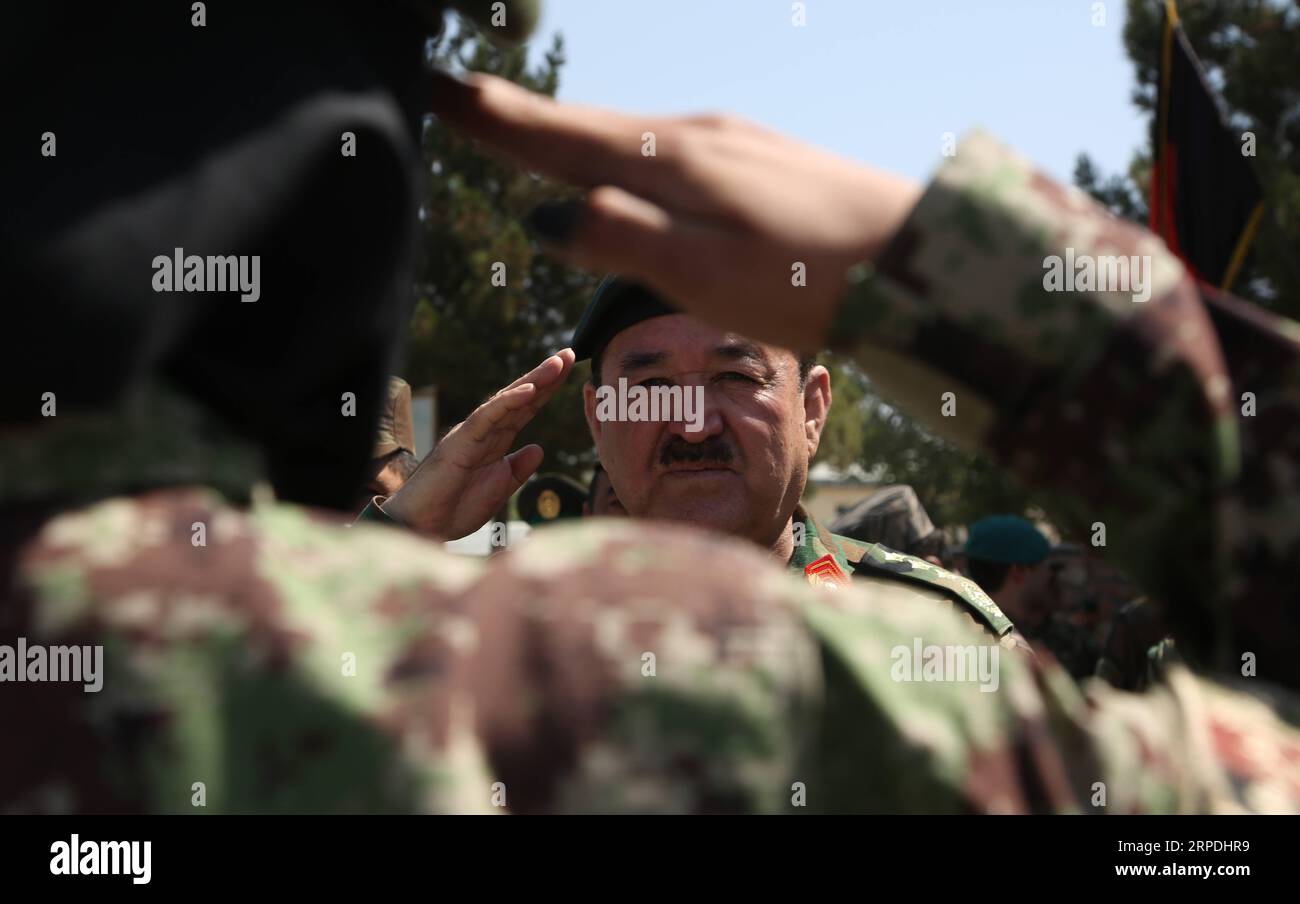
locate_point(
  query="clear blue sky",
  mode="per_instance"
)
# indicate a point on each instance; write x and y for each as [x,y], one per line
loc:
[875,80]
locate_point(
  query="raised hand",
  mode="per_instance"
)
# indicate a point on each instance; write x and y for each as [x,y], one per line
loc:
[716,219]
[471,472]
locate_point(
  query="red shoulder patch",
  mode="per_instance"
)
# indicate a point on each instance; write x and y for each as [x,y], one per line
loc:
[825,572]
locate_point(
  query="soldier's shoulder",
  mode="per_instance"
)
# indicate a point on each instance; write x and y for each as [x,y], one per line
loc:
[1212,744]
[872,560]
[274,624]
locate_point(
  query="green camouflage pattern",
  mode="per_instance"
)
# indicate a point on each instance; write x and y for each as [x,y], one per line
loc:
[293,663]
[525,681]
[875,563]
[1121,413]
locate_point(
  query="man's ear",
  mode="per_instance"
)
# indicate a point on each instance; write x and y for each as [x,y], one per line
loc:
[816,406]
[589,409]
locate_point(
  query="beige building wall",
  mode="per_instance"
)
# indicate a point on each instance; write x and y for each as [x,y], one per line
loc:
[828,500]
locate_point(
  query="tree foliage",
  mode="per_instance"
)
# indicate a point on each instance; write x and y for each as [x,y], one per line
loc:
[469,336]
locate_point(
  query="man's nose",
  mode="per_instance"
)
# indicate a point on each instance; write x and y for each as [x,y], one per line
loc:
[700,409]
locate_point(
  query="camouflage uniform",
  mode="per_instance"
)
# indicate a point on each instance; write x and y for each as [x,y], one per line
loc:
[827,559]
[292,663]
[830,559]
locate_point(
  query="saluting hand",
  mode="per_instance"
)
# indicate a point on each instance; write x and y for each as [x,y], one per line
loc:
[717,219]
[469,475]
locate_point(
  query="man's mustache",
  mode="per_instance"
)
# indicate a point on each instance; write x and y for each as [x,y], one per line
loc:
[717,451]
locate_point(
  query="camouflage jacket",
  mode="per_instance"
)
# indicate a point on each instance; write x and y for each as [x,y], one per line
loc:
[261,657]
[827,559]
[1166,426]
[824,558]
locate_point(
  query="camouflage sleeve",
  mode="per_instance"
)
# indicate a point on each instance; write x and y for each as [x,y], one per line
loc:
[276,660]
[1156,418]
[290,664]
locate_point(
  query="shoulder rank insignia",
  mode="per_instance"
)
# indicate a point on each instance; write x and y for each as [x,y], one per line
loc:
[825,572]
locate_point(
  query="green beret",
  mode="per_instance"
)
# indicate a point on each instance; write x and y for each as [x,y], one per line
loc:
[550,497]
[1006,539]
[618,304]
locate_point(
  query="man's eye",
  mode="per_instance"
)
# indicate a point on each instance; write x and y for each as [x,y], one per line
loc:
[732,375]
[655,381]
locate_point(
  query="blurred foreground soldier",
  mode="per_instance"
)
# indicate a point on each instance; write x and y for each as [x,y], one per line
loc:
[601,500]
[393,459]
[737,459]
[1006,555]
[248,655]
[893,516]
[549,498]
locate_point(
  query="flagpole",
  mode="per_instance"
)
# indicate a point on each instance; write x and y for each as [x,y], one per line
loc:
[1243,246]
[1158,219]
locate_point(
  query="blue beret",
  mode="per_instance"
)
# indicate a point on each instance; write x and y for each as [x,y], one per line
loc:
[1006,539]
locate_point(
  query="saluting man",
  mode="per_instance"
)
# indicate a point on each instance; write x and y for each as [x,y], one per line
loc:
[740,467]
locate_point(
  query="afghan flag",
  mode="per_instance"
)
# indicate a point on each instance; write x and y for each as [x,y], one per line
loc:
[1205,201]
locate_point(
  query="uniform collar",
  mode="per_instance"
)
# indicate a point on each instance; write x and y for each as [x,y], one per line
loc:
[818,543]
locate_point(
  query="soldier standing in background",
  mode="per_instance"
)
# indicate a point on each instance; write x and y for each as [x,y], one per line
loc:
[1137,648]
[549,498]
[393,459]
[601,498]
[893,516]
[1007,556]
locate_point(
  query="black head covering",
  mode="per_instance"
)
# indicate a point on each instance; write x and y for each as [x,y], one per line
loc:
[617,304]
[224,139]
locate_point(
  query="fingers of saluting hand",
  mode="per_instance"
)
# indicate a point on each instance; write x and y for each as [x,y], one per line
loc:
[565,140]
[618,232]
[524,463]
[515,405]
[550,373]
[581,145]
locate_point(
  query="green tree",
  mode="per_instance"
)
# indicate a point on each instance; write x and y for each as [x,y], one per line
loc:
[470,335]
